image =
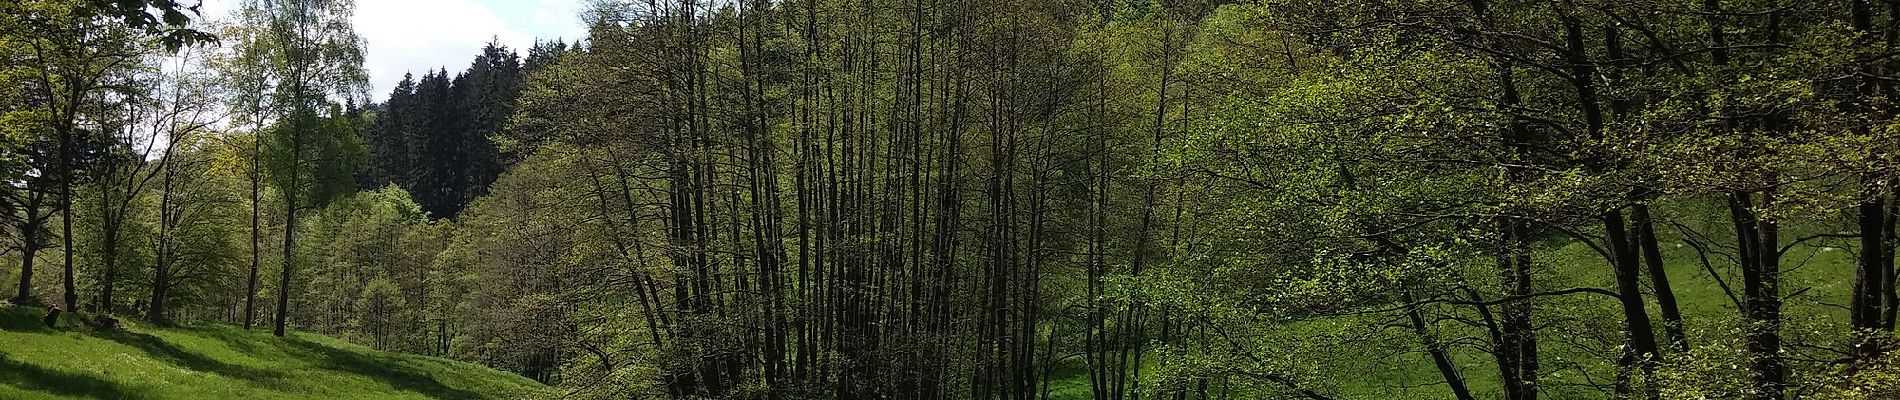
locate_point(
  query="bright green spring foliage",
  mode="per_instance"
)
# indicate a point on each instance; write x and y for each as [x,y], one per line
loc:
[1020,199]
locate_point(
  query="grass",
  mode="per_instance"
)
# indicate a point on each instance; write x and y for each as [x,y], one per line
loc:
[228,362]
[1577,347]
[224,362]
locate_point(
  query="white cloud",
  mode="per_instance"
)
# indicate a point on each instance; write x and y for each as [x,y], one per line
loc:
[418,35]
[414,36]
[551,11]
[561,19]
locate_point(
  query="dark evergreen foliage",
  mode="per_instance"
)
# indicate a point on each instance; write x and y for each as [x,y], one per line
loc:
[432,136]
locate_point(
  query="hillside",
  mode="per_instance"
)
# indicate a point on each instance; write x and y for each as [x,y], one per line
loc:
[224,362]
[1385,363]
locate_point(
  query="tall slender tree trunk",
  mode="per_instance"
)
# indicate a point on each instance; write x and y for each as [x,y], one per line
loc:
[66,218]
[1645,231]
[108,247]
[1515,345]
[290,253]
[1758,241]
[1441,357]
[291,193]
[1892,296]
[1517,342]
[1096,345]
[1132,323]
[1514,342]
[1761,294]
[256,178]
[1873,277]
[1639,334]
[168,222]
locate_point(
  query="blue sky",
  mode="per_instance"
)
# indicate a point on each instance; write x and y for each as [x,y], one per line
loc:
[420,35]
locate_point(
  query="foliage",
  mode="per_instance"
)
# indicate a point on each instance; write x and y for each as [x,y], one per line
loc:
[433,136]
[1024,199]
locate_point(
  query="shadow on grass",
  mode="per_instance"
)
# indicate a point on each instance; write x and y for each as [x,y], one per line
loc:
[244,341]
[22,319]
[36,378]
[388,369]
[165,351]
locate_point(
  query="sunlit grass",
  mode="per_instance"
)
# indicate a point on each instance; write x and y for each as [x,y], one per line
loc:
[223,362]
[1817,279]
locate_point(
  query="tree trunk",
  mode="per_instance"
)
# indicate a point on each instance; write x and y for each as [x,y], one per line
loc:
[28,253]
[1761,294]
[167,221]
[66,237]
[68,176]
[1659,277]
[1639,334]
[256,178]
[1515,339]
[32,240]
[1757,242]
[1515,344]
[1441,358]
[1871,281]
[108,248]
[290,253]
[1872,274]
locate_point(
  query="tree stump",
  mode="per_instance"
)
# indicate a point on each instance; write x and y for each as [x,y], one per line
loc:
[52,316]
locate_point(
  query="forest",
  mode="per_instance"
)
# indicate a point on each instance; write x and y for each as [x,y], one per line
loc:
[993,199]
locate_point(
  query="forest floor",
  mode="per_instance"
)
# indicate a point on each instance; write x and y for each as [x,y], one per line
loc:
[223,362]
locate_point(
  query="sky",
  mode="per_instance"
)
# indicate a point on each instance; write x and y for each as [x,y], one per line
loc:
[414,36]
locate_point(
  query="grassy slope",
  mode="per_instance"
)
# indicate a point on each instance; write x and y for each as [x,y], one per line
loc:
[1816,278]
[223,362]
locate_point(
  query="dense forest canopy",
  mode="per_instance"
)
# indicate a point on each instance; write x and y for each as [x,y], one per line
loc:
[996,199]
